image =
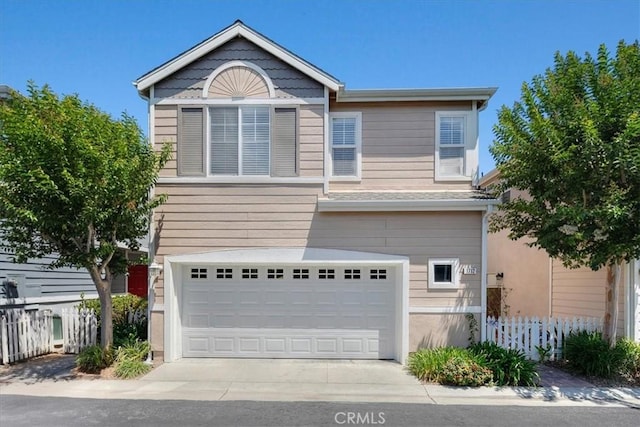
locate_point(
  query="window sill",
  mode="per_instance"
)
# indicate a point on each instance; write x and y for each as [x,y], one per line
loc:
[447,286]
[453,178]
[345,179]
[240,180]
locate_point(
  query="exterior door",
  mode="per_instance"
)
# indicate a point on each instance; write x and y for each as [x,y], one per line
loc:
[137,280]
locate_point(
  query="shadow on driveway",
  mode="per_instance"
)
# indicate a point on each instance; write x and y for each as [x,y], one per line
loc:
[54,366]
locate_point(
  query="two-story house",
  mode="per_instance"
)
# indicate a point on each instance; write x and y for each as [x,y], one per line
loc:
[305,220]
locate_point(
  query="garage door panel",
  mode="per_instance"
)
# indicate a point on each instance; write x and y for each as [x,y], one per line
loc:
[199,320]
[328,318]
[325,343]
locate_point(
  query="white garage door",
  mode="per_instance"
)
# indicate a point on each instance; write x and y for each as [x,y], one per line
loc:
[288,312]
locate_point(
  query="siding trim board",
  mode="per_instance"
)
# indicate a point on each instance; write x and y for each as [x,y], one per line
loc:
[446,309]
[231,101]
[328,205]
[241,180]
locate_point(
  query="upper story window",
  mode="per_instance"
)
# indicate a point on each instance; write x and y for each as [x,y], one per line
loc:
[243,140]
[452,141]
[239,140]
[242,134]
[346,145]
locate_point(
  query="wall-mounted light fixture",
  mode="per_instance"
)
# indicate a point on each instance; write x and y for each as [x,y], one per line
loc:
[154,270]
[499,276]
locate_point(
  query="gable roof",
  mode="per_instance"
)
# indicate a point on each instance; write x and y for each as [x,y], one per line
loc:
[237,29]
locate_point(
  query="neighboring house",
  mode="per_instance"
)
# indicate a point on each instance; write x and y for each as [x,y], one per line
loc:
[305,220]
[525,281]
[32,285]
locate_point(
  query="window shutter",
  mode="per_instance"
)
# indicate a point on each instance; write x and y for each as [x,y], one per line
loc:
[191,142]
[284,155]
[224,141]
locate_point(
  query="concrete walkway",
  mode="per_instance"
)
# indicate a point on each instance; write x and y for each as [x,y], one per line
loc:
[310,380]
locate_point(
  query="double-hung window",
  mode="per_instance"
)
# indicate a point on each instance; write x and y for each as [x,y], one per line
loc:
[345,145]
[245,140]
[240,140]
[451,144]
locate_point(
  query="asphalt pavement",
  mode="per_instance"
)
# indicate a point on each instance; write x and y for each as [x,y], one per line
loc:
[27,411]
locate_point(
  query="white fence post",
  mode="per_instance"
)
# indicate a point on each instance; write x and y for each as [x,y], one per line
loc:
[4,337]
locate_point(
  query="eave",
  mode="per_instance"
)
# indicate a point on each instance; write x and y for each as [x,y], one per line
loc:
[238,29]
[481,94]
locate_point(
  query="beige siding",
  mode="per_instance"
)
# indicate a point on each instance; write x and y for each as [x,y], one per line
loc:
[311,139]
[204,218]
[398,146]
[525,275]
[287,81]
[438,330]
[165,129]
[578,292]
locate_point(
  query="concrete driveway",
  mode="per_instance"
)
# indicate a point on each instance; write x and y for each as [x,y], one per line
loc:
[280,379]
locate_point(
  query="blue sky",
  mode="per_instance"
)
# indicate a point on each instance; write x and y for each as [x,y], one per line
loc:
[97,48]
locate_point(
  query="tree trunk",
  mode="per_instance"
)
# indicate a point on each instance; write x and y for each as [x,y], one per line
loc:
[611,314]
[106,314]
[103,286]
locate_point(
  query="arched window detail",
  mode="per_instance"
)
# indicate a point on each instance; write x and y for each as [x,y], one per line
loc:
[238,79]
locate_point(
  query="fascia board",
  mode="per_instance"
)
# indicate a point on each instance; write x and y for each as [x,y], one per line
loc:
[218,40]
[450,94]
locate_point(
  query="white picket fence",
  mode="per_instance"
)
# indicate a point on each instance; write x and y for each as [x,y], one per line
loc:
[79,329]
[25,334]
[529,334]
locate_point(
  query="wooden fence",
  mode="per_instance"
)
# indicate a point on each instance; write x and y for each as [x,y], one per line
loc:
[25,334]
[537,336]
[79,329]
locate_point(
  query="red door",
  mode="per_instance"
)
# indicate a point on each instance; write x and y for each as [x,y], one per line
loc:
[137,282]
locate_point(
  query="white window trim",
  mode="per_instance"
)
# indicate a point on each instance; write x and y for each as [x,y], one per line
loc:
[344,114]
[469,132]
[240,143]
[455,273]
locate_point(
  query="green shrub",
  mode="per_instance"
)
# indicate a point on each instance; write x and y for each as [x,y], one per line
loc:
[509,367]
[428,363]
[628,354]
[128,333]
[123,331]
[121,306]
[589,354]
[465,371]
[93,359]
[137,350]
[131,368]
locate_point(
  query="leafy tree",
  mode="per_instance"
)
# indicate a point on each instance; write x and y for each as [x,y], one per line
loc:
[74,182]
[572,143]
